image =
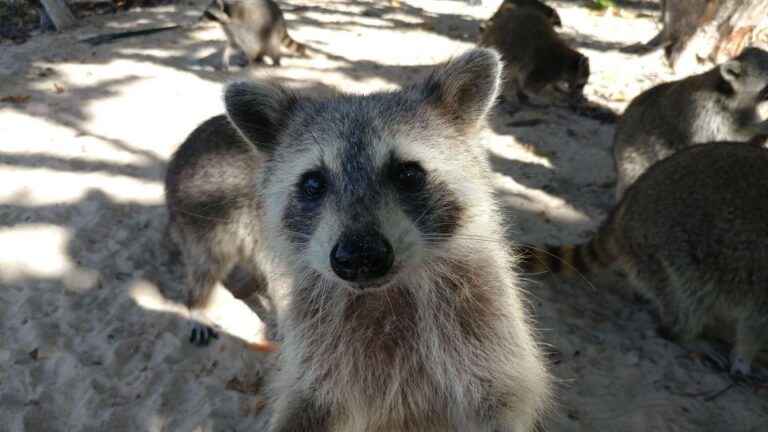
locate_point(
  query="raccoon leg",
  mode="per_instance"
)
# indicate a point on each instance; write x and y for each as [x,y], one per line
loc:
[750,338]
[298,413]
[204,270]
[226,55]
[273,51]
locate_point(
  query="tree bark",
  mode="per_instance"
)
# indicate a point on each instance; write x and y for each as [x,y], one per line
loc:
[711,30]
[59,12]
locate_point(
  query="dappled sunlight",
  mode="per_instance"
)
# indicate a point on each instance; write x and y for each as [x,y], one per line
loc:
[33,250]
[47,186]
[519,151]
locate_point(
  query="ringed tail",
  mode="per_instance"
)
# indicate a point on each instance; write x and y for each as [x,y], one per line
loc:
[293,46]
[566,259]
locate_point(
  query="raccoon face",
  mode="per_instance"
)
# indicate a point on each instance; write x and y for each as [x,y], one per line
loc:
[560,82]
[575,77]
[747,75]
[361,189]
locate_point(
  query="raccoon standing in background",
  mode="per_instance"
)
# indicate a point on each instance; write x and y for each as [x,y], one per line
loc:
[537,61]
[510,5]
[256,27]
[365,214]
[692,235]
[718,105]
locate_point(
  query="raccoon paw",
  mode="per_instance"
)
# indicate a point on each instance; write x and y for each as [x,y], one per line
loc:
[201,335]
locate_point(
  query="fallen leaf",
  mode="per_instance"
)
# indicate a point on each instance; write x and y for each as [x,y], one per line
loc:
[259,405]
[235,384]
[395,3]
[574,133]
[58,87]
[20,99]
[623,13]
[264,346]
[619,96]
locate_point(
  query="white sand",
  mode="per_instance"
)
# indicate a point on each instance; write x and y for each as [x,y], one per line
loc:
[94,331]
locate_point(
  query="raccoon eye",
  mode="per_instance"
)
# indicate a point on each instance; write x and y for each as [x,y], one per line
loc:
[313,184]
[410,177]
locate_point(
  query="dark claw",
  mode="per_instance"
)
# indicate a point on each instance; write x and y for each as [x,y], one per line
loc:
[201,335]
[716,360]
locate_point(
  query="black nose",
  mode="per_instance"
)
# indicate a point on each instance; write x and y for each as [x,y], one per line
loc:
[362,256]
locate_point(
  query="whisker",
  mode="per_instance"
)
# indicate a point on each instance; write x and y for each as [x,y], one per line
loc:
[229,221]
[583,278]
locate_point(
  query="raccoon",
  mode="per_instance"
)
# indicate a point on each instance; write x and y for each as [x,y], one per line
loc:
[691,233]
[537,60]
[510,5]
[367,215]
[255,27]
[718,105]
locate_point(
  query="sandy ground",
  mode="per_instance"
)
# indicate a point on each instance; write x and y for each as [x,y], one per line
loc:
[90,300]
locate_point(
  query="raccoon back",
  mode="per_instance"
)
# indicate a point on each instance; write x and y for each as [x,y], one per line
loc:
[211,173]
[701,213]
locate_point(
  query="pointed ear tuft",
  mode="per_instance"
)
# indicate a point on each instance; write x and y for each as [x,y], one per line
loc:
[257,110]
[467,86]
[732,70]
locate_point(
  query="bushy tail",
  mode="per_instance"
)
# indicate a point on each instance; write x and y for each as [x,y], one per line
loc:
[293,46]
[567,259]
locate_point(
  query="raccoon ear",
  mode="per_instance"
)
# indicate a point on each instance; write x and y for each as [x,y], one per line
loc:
[555,18]
[732,70]
[583,65]
[257,110]
[467,87]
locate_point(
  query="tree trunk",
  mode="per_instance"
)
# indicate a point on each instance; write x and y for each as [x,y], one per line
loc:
[59,12]
[711,30]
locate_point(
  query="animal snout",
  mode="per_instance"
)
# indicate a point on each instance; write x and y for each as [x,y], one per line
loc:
[362,256]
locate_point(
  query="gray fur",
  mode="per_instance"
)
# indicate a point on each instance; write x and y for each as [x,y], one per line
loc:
[442,342]
[208,188]
[718,105]
[538,62]
[255,27]
[692,235]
